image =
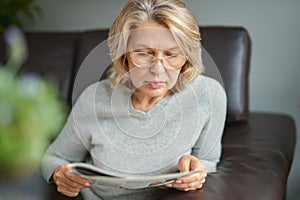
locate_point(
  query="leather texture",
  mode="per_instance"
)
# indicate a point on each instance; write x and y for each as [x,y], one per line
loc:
[256,159]
[258,148]
[230,49]
[50,54]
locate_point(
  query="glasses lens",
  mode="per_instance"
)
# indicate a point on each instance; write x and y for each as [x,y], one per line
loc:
[143,59]
[175,61]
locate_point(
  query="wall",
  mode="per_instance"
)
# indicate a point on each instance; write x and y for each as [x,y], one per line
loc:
[274,26]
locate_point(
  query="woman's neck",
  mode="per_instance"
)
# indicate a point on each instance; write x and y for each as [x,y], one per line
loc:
[145,103]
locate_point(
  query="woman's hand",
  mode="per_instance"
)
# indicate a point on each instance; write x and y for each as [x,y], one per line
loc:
[191,182]
[67,183]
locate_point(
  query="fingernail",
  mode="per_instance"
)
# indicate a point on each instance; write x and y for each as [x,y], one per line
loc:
[178,181]
[169,185]
[87,185]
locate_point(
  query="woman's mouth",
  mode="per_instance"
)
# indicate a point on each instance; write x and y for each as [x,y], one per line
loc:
[155,84]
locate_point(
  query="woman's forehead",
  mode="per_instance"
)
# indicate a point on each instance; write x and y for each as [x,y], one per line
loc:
[152,37]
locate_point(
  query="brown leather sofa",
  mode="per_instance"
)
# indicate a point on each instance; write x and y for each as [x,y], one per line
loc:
[258,148]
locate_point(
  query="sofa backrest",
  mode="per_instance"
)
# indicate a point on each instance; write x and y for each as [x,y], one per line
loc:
[51,54]
[61,55]
[229,48]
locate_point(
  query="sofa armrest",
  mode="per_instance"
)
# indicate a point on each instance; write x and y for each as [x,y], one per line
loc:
[255,162]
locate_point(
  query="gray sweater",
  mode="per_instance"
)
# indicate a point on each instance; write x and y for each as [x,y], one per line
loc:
[105,130]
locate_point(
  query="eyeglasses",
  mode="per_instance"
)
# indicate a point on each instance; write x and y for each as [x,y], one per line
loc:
[145,60]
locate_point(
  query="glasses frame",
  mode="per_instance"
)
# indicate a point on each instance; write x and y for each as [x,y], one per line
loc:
[155,59]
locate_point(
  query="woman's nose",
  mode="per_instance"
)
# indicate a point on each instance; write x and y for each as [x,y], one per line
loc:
[157,67]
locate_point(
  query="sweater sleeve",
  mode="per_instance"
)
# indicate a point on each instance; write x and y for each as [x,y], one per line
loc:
[208,146]
[69,146]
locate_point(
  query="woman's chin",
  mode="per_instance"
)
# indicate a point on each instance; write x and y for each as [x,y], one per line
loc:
[153,91]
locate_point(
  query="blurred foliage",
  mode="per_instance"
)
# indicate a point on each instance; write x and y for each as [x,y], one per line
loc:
[12,12]
[31,113]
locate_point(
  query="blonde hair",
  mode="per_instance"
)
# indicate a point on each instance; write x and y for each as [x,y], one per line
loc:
[171,13]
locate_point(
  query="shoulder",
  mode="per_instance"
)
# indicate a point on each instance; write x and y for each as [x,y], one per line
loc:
[204,85]
[95,95]
[101,89]
[210,84]
[210,92]
[101,86]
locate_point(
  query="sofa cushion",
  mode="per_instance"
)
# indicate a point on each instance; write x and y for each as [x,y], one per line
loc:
[255,163]
[244,173]
[229,47]
[264,131]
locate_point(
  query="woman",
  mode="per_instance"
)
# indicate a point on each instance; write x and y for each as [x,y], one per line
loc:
[155,114]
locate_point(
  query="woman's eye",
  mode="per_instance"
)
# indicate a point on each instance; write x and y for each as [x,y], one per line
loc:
[172,55]
[143,54]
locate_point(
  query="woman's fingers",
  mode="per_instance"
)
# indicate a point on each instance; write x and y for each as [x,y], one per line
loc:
[197,177]
[189,163]
[76,181]
[67,183]
[68,191]
[191,182]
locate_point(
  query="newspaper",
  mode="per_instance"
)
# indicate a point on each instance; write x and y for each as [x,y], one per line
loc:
[100,176]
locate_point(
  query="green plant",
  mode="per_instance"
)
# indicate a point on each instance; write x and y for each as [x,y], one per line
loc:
[13,12]
[31,112]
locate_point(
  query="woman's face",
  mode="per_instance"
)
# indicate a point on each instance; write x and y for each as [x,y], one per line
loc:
[149,41]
